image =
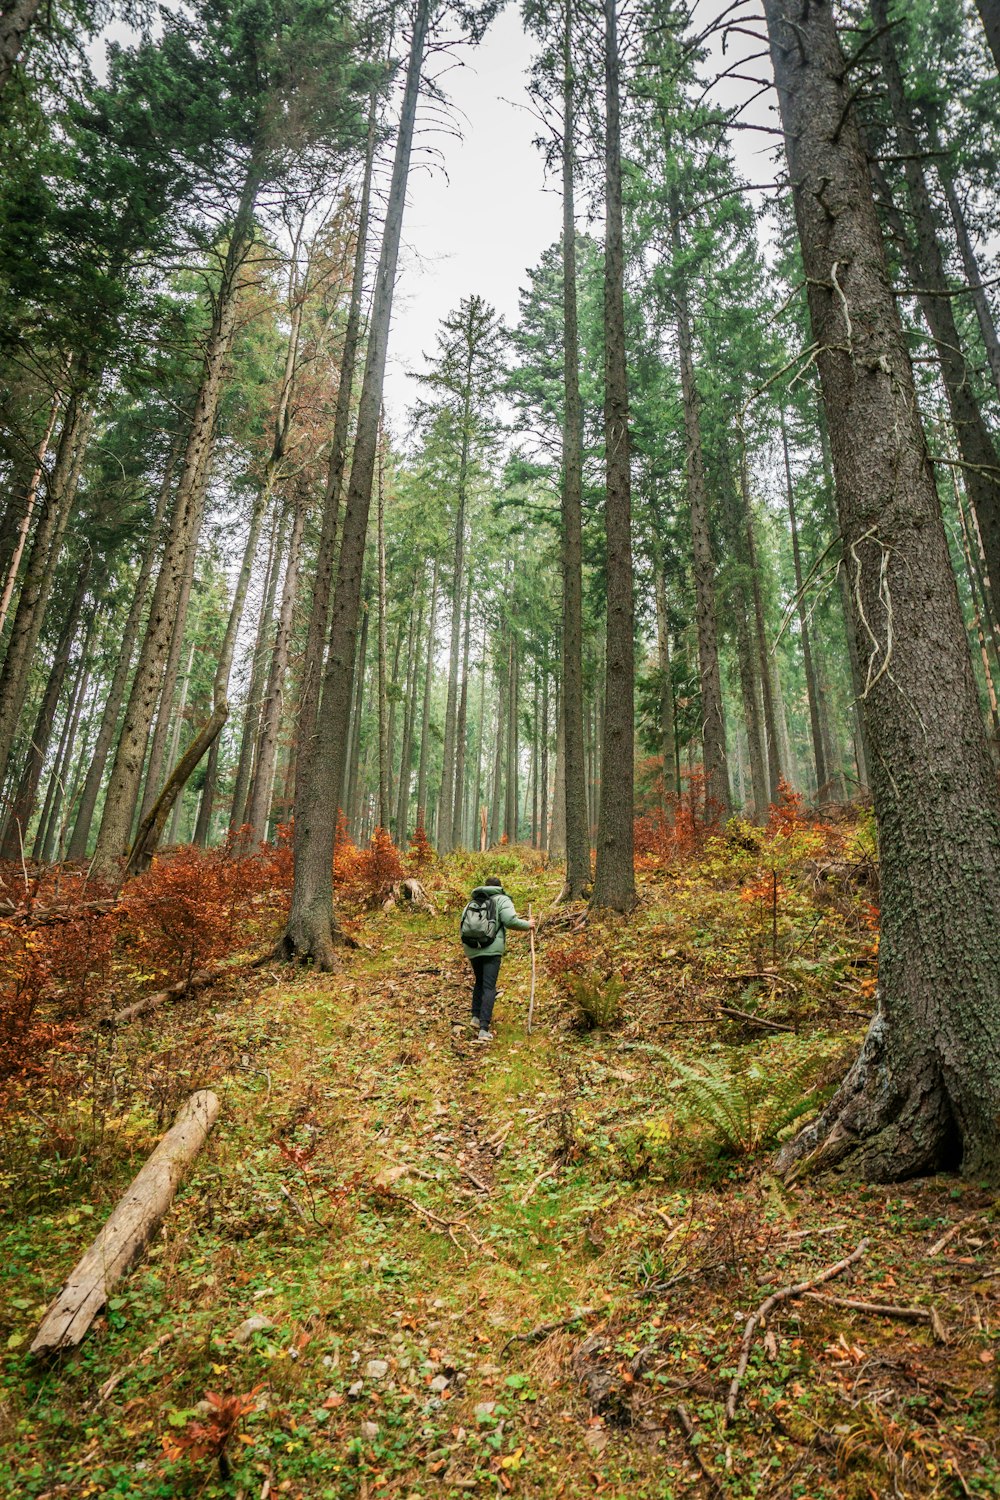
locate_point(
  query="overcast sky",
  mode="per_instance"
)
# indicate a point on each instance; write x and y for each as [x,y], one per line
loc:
[477,221]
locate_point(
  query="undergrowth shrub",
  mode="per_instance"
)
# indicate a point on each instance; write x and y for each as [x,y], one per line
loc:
[369,875]
[597,1000]
[421,850]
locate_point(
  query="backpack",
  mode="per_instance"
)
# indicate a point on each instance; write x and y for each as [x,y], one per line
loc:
[479,925]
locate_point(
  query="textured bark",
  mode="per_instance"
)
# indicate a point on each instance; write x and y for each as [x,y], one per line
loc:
[259,802]
[925,1091]
[926,266]
[812,694]
[123,665]
[738,609]
[40,570]
[405,783]
[543,810]
[151,827]
[614,876]
[513,687]
[775,730]
[349,798]
[989,11]
[311,929]
[384,735]
[574,835]
[445,838]
[51,832]
[326,551]
[667,732]
[126,771]
[16,20]
[175,738]
[713,725]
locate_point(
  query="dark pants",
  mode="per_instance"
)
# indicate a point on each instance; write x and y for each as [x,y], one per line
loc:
[484,991]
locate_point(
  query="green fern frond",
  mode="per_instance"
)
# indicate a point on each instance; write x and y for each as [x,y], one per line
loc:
[748,1102]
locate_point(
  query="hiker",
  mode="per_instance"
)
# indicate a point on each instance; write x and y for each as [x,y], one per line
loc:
[485,920]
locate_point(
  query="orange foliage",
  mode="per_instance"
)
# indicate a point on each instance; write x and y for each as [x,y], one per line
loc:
[374,871]
[690,819]
[787,814]
[421,848]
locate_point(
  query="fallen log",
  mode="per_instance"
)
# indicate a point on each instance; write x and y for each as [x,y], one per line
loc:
[198,981]
[128,1231]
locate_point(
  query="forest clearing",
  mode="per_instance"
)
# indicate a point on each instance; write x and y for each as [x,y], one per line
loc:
[499,748]
[385,1212]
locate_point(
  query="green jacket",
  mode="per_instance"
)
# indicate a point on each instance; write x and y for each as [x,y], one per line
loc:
[506,917]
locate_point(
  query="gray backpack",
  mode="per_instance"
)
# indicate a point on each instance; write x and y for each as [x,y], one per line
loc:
[479,925]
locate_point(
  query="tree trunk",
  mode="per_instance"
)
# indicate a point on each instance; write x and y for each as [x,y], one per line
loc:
[175,739]
[39,574]
[543,808]
[259,801]
[425,720]
[258,667]
[713,724]
[409,719]
[349,792]
[311,927]
[126,771]
[49,826]
[574,835]
[30,497]
[119,681]
[151,827]
[989,11]
[510,804]
[925,1091]
[979,455]
[16,19]
[446,837]
[614,877]
[775,729]
[461,724]
[477,797]
[38,747]
[557,836]
[326,551]
[749,665]
[384,737]
[811,688]
[667,731]
[973,275]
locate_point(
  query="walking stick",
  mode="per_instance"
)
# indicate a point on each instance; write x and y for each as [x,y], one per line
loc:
[531,1002]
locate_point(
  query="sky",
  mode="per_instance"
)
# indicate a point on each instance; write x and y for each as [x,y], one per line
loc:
[476,223]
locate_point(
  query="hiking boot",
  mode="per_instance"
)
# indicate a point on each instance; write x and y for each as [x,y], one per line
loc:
[484,1036]
[474,1023]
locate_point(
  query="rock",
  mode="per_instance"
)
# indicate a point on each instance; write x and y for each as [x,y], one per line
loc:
[376,1369]
[487,1369]
[439,1384]
[484,1410]
[257,1323]
[595,1439]
[369,1431]
[356,1389]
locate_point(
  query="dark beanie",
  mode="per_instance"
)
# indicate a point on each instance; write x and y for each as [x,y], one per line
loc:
[494,881]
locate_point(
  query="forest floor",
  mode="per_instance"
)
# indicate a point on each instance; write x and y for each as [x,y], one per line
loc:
[407,1264]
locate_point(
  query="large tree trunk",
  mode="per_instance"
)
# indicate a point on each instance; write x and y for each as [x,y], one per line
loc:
[123,665]
[425,718]
[51,831]
[326,551]
[779,759]
[812,694]
[614,877]
[311,926]
[574,835]
[39,573]
[510,801]
[925,1091]
[16,19]
[259,802]
[384,733]
[28,503]
[349,790]
[989,10]
[713,724]
[446,817]
[926,266]
[151,827]
[126,771]
[748,660]
[258,668]
[409,718]
[667,731]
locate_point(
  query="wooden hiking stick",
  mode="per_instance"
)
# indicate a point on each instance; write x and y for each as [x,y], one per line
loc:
[531,1002]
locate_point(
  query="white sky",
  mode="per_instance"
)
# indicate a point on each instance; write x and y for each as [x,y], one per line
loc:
[477,222]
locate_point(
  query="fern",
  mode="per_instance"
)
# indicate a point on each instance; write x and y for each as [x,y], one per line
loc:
[747,1103]
[598,1001]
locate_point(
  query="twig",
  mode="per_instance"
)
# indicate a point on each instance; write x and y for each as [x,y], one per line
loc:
[479,1183]
[535,1335]
[745,1015]
[690,1432]
[531,1002]
[549,1172]
[105,1390]
[950,1234]
[296,1205]
[753,1322]
[884,1310]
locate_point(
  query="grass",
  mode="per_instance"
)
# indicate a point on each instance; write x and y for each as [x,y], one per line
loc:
[536,1200]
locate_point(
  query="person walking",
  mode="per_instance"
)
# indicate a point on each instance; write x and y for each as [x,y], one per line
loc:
[488,915]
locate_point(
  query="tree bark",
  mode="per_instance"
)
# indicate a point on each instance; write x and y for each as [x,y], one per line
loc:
[405,783]
[461,726]
[713,724]
[326,551]
[513,686]
[775,730]
[973,275]
[425,720]
[30,498]
[384,737]
[151,827]
[16,20]
[614,877]
[571,764]
[989,11]
[311,931]
[49,825]
[925,1091]
[255,688]
[349,791]
[667,732]
[126,771]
